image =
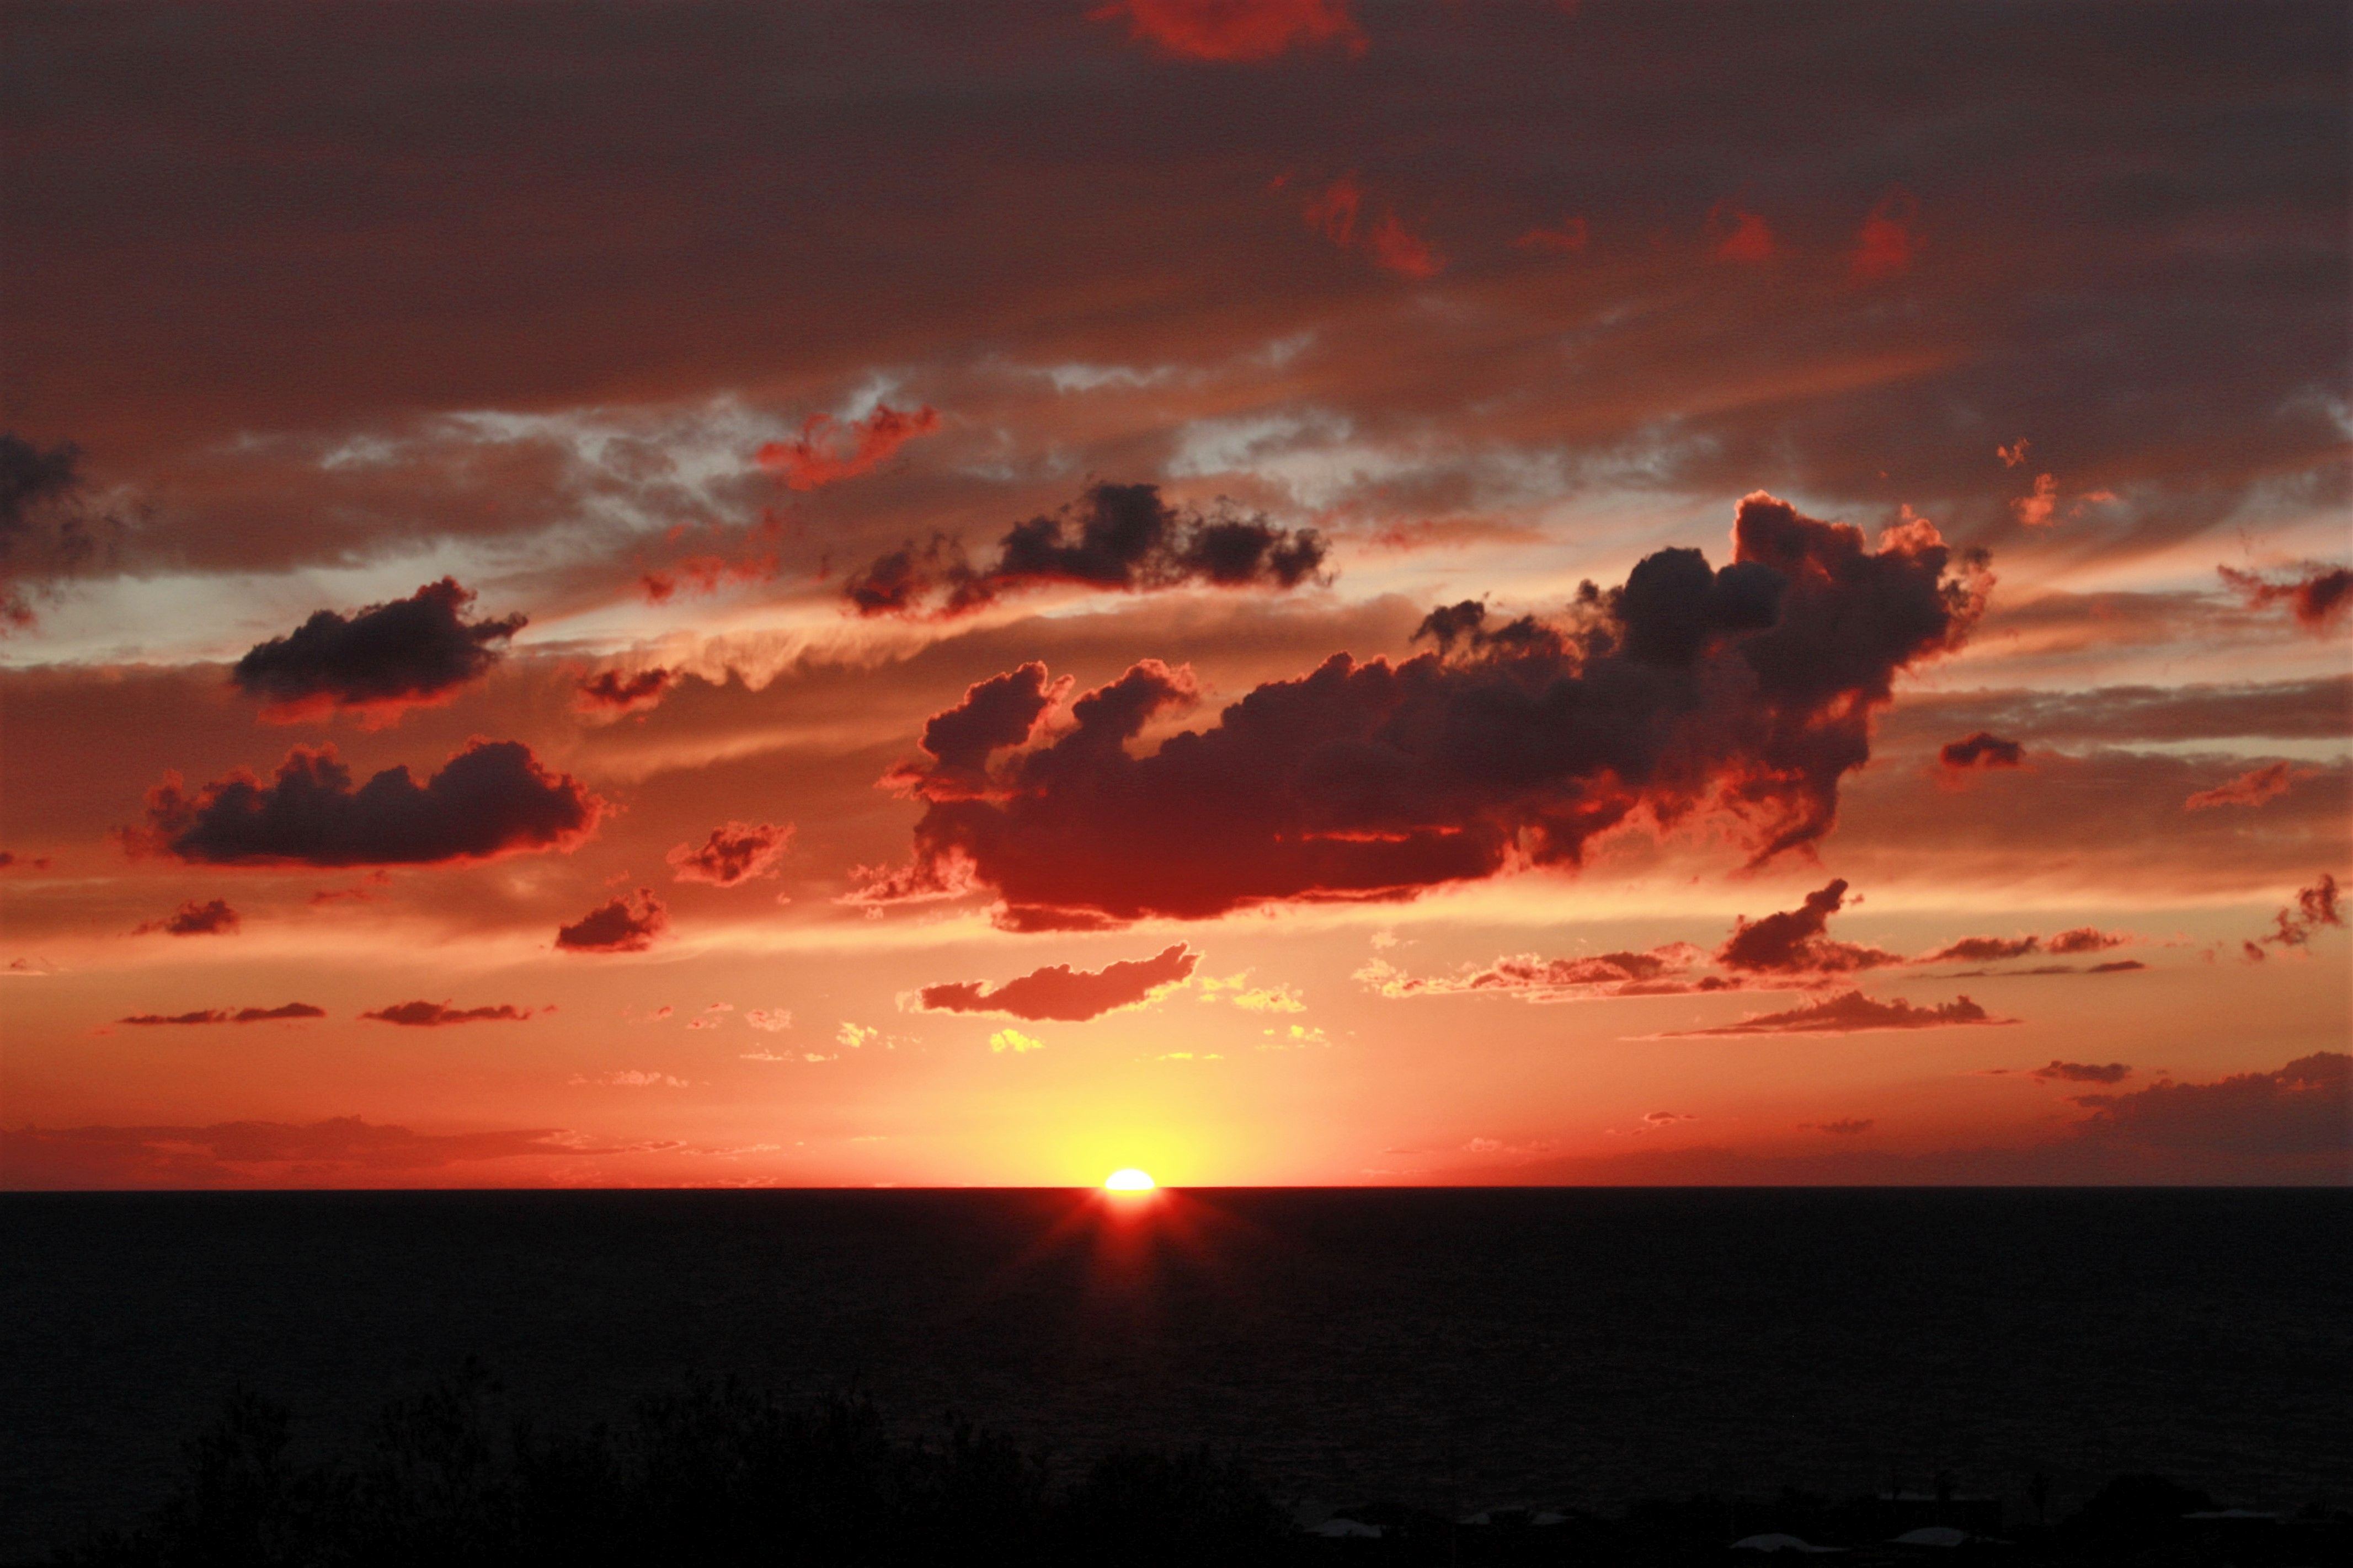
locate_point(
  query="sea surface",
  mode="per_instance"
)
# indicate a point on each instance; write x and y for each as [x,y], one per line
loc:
[1455,1349]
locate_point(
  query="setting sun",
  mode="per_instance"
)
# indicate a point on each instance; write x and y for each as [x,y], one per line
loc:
[1130,1180]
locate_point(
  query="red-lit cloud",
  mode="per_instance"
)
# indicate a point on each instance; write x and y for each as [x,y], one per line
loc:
[827,450]
[1889,240]
[625,924]
[1736,235]
[439,1015]
[1236,31]
[379,661]
[1746,693]
[612,691]
[2057,1071]
[2304,1109]
[734,853]
[2317,594]
[1117,538]
[1852,1013]
[9,859]
[213,918]
[1337,212]
[1982,750]
[1999,949]
[1571,235]
[230,1015]
[2294,926]
[2251,788]
[1660,972]
[494,798]
[1067,995]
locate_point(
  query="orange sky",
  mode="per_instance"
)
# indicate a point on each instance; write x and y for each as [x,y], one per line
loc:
[878,509]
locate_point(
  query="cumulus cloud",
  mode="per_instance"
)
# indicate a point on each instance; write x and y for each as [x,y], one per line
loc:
[230,1015]
[734,853]
[1851,1013]
[439,1015]
[770,1020]
[1067,995]
[381,660]
[628,924]
[1889,240]
[2251,788]
[1015,1041]
[494,798]
[827,450]
[1236,31]
[857,1036]
[1746,694]
[343,1150]
[1982,750]
[1736,234]
[612,691]
[2315,594]
[211,917]
[1116,538]
[2304,1109]
[1794,941]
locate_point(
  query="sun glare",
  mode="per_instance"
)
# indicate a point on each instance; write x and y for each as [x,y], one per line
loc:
[1130,1180]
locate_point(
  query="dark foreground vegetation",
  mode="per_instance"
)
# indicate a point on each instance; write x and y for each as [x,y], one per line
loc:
[720,1474]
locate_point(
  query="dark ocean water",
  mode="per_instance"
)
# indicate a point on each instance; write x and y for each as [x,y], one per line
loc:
[1453,1348]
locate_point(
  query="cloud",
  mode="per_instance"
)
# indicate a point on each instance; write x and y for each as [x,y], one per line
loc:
[343,1151]
[612,691]
[1571,236]
[1982,750]
[826,451]
[1889,241]
[1850,1013]
[494,798]
[632,1078]
[770,1020]
[1793,941]
[1116,538]
[213,918]
[628,924]
[2036,511]
[2082,1072]
[855,1037]
[380,660]
[1999,949]
[2314,907]
[734,853]
[44,529]
[1735,235]
[10,858]
[1067,995]
[1236,31]
[1336,212]
[1846,1126]
[1015,1041]
[2317,595]
[2251,788]
[439,1015]
[1661,971]
[1744,695]
[230,1015]
[2303,1110]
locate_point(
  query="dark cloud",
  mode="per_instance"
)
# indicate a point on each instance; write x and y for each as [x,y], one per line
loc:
[1845,1126]
[1660,972]
[2083,1072]
[1119,538]
[493,799]
[344,1150]
[1067,995]
[734,853]
[1235,31]
[612,691]
[9,859]
[2287,711]
[2317,594]
[381,660]
[435,1014]
[211,918]
[1793,941]
[2251,788]
[2303,1110]
[625,924]
[2314,907]
[1746,693]
[1999,949]
[1851,1013]
[230,1015]
[43,527]
[825,450]
[1982,750]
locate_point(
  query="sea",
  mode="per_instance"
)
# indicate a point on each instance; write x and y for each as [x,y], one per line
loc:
[1450,1348]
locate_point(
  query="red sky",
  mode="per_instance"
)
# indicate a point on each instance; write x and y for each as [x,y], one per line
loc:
[1280,591]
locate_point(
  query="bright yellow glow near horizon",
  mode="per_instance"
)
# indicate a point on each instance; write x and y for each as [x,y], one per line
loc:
[1130,1180]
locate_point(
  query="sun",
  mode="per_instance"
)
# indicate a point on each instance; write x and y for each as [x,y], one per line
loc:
[1129,1180]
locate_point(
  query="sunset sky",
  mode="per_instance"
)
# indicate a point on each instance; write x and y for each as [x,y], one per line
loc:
[1274,591]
